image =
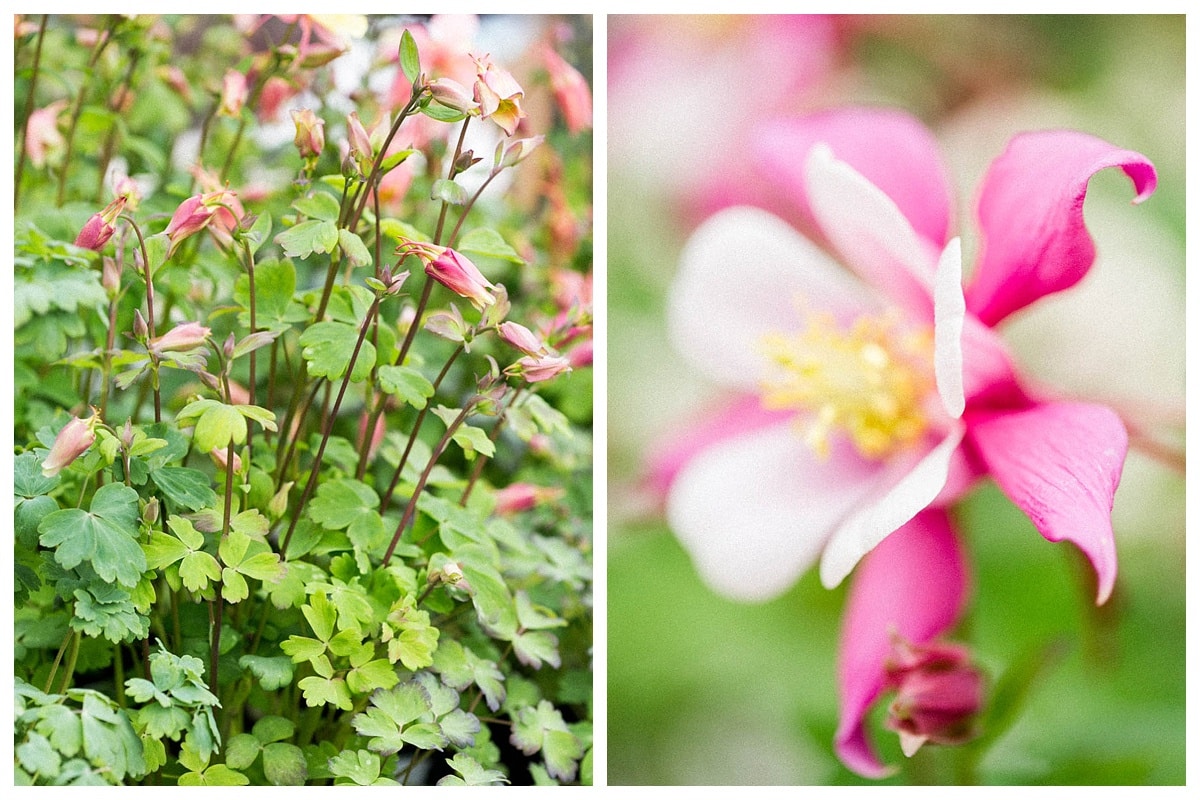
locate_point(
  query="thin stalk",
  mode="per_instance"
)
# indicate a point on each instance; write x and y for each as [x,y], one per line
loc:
[62,649]
[253,326]
[77,111]
[373,176]
[288,444]
[467,208]
[315,469]
[71,659]
[29,100]
[147,272]
[481,459]
[411,509]
[412,437]
[110,141]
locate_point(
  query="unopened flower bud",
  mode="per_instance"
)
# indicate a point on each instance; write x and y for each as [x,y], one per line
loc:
[140,329]
[570,90]
[509,154]
[100,226]
[520,337]
[193,215]
[938,694]
[220,457]
[72,441]
[518,497]
[278,503]
[310,133]
[535,369]
[452,94]
[230,343]
[110,276]
[187,336]
[234,92]
[360,140]
[150,512]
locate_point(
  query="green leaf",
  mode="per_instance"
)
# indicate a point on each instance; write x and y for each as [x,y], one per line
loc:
[447,191]
[339,503]
[320,691]
[28,480]
[487,242]
[542,728]
[442,113]
[494,606]
[302,240]
[459,727]
[352,245]
[242,750]
[216,426]
[108,611]
[189,488]
[197,569]
[377,674]
[472,772]
[218,775]
[37,756]
[273,672]
[106,537]
[321,615]
[328,346]
[302,648]
[406,383]
[319,205]
[284,764]
[410,60]
[274,289]
[534,647]
[273,728]
[259,232]
[360,767]
[474,440]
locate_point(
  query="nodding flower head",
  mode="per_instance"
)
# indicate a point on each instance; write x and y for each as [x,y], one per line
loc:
[453,270]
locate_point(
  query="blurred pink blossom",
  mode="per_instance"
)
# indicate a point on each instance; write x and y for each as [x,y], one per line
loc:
[41,132]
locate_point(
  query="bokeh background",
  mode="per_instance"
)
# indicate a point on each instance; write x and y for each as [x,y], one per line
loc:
[705,691]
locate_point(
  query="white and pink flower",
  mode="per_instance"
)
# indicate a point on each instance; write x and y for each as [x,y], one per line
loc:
[872,389]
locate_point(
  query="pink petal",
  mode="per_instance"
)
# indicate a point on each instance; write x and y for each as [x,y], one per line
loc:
[1034,240]
[889,148]
[1060,463]
[754,510]
[869,231]
[669,455]
[910,482]
[913,584]
[745,273]
[949,311]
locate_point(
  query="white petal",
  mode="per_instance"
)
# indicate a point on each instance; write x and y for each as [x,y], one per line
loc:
[911,485]
[866,227]
[745,273]
[755,510]
[949,311]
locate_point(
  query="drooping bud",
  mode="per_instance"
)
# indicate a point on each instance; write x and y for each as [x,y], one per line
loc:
[72,441]
[535,369]
[448,325]
[452,94]
[150,512]
[193,215]
[570,90]
[518,497]
[42,136]
[100,227]
[509,154]
[110,276]
[187,336]
[520,337]
[141,331]
[234,91]
[938,694]
[360,140]
[453,270]
[310,134]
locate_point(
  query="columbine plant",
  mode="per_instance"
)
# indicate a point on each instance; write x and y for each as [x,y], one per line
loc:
[291,506]
[873,391]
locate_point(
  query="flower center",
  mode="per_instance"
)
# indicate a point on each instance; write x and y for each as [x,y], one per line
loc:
[868,381]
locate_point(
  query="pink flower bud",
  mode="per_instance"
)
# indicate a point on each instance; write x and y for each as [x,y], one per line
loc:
[140,329]
[193,215]
[360,140]
[234,92]
[521,338]
[938,694]
[515,151]
[187,336]
[518,497]
[310,133]
[110,276]
[274,92]
[452,94]
[42,134]
[581,355]
[540,368]
[99,228]
[72,441]
[220,457]
[499,95]
[570,90]
[453,270]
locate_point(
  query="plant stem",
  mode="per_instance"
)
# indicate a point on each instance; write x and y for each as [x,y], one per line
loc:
[101,43]
[412,437]
[315,469]
[411,509]
[29,101]
[147,271]
[287,444]
[110,140]
[481,459]
[374,176]
[57,660]
[252,380]
[71,659]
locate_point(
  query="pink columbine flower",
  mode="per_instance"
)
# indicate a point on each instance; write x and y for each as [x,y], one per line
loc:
[194,215]
[518,497]
[186,336]
[499,95]
[452,94]
[234,91]
[100,226]
[360,140]
[72,441]
[874,390]
[453,270]
[536,369]
[570,90]
[42,134]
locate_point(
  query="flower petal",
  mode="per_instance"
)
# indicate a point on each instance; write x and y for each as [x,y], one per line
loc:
[891,149]
[1034,240]
[745,273]
[866,227]
[913,584]
[671,454]
[1060,463]
[912,482]
[949,310]
[754,510]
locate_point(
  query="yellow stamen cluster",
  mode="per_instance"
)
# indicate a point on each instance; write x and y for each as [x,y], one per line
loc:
[869,381]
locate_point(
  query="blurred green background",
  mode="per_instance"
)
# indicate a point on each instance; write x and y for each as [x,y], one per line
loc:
[705,691]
